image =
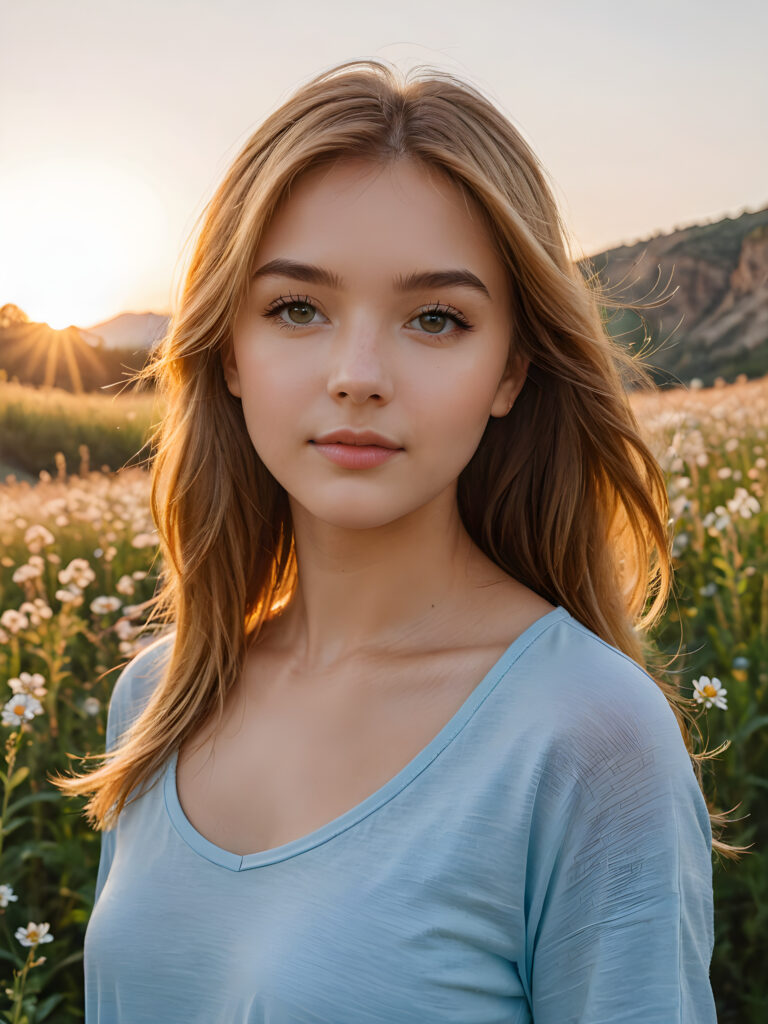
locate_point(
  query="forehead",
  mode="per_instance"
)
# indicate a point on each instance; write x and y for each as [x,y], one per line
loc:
[360,218]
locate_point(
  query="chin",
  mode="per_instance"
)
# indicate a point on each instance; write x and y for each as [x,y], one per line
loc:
[347,516]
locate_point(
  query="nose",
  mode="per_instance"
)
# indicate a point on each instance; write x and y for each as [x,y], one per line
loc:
[358,370]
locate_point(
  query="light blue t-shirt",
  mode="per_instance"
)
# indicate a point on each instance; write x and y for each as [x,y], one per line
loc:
[545,858]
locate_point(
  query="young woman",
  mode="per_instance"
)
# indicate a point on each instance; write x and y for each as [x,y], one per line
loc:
[398,758]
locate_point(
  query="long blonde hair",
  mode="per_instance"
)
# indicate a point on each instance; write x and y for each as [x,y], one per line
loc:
[562,493]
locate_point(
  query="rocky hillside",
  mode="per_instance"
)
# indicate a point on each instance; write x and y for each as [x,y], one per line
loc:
[712,282]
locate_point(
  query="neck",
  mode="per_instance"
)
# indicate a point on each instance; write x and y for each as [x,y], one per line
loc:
[391,588]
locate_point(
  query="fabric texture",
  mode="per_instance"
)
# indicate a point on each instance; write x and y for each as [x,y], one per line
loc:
[546,858]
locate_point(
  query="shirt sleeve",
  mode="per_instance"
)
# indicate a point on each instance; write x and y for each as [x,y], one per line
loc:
[619,900]
[108,837]
[130,693]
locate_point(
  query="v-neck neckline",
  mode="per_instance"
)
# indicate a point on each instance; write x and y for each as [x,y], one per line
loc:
[242,862]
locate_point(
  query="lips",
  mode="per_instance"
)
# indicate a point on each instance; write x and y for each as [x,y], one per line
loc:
[357,438]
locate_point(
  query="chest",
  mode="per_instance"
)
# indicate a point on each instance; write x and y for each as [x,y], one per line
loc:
[288,758]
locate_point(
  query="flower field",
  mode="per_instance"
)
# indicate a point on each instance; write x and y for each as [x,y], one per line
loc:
[78,557]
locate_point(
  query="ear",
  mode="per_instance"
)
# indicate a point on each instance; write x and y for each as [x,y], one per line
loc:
[229,366]
[510,386]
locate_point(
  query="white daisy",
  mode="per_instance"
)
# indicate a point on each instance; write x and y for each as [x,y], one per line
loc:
[13,620]
[6,895]
[34,934]
[710,691]
[37,537]
[20,708]
[105,604]
[79,572]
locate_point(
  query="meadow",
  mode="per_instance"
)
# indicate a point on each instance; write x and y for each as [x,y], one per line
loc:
[79,557]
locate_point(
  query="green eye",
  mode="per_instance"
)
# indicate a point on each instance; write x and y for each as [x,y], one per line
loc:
[306,311]
[436,316]
[428,321]
[300,310]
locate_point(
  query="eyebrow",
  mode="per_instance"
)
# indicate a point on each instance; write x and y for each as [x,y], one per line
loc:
[411,282]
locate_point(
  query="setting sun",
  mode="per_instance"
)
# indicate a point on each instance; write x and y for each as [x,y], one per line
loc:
[81,235]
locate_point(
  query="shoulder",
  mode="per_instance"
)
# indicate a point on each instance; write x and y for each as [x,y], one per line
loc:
[593,702]
[135,684]
[606,744]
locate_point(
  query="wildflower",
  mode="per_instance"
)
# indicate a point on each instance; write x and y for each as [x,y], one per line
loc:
[105,604]
[716,521]
[37,537]
[760,463]
[724,472]
[709,691]
[22,707]
[139,574]
[709,590]
[34,934]
[26,572]
[31,683]
[6,895]
[743,503]
[741,663]
[98,552]
[125,585]
[696,384]
[37,610]
[78,572]
[144,540]
[91,705]
[13,620]
[71,595]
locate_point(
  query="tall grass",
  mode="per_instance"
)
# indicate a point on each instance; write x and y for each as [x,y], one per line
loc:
[35,423]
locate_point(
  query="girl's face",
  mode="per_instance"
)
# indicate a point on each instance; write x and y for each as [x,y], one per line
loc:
[352,337]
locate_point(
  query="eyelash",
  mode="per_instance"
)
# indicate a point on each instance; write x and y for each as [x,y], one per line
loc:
[274,310]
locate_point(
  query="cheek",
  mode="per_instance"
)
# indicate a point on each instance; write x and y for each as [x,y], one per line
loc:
[452,403]
[272,400]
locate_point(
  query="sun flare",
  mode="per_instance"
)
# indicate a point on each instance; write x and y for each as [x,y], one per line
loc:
[83,233]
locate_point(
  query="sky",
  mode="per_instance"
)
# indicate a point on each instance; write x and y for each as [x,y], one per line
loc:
[117,119]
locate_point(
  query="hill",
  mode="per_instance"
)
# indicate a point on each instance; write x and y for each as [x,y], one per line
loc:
[130,330]
[714,320]
[75,359]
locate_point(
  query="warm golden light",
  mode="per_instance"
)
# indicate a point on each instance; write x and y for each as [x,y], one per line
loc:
[82,233]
